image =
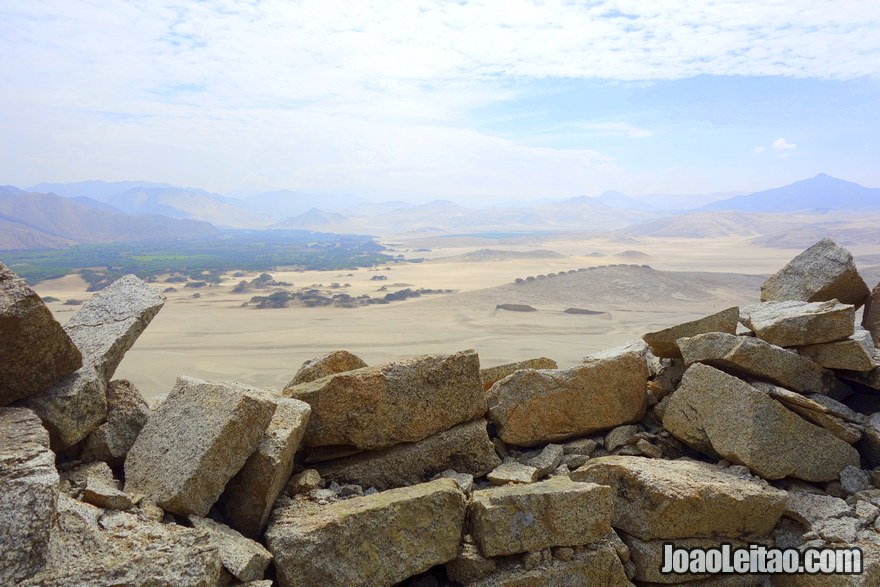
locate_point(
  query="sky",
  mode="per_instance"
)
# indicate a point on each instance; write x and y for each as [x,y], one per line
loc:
[479,102]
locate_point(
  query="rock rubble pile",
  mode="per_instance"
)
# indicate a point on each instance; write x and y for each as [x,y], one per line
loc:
[756,425]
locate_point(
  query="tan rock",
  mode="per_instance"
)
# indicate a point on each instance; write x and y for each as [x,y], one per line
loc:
[750,356]
[539,406]
[109,324]
[72,408]
[812,509]
[469,566]
[492,374]
[855,353]
[105,495]
[195,442]
[871,315]
[249,496]
[245,559]
[792,323]
[513,472]
[332,363]
[407,401]
[303,482]
[823,272]
[103,548]
[662,342]
[655,499]
[869,577]
[379,539]
[718,414]
[35,352]
[127,412]
[465,448]
[28,494]
[528,518]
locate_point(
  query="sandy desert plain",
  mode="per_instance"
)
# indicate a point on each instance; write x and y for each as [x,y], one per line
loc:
[214,337]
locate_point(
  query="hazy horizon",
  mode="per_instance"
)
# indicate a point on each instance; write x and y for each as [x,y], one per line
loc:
[483,102]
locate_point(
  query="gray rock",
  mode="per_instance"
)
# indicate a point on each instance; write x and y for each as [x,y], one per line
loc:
[332,363]
[718,414]
[869,445]
[72,408]
[662,342]
[407,401]
[245,559]
[547,460]
[99,548]
[379,539]
[811,509]
[465,448]
[751,356]
[35,352]
[657,499]
[127,412]
[871,315]
[513,472]
[109,324]
[854,480]
[249,496]
[465,481]
[855,353]
[823,272]
[793,323]
[28,494]
[528,518]
[492,374]
[195,442]
[580,446]
[620,436]
[534,407]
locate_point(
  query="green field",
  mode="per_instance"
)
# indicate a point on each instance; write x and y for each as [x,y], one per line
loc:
[251,250]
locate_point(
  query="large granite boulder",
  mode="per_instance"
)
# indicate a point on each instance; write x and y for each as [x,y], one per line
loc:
[721,415]
[792,323]
[657,499]
[331,363]
[35,352]
[490,375]
[379,539]
[662,342]
[464,448]
[534,407]
[249,496]
[72,408]
[823,272]
[127,412]
[101,548]
[110,323]
[28,494]
[745,355]
[195,442]
[529,518]
[377,407]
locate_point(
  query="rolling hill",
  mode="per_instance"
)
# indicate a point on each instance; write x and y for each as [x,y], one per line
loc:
[822,192]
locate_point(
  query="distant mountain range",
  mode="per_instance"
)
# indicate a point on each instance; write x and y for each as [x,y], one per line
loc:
[98,211]
[35,221]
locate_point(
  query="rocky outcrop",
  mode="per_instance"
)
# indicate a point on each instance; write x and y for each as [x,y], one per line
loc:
[465,448]
[35,352]
[655,499]
[127,412]
[538,406]
[792,323]
[662,342]
[745,355]
[110,323]
[332,363]
[492,374]
[407,401]
[529,518]
[28,494]
[720,415]
[195,442]
[823,272]
[250,495]
[379,539]
[91,546]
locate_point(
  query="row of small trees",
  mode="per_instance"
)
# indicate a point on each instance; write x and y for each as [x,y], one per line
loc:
[520,280]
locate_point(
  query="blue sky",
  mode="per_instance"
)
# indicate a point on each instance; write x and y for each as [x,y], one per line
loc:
[478,102]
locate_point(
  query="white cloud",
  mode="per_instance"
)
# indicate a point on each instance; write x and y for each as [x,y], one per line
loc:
[781,144]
